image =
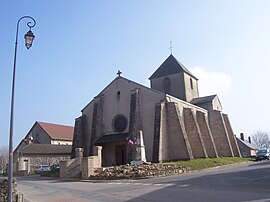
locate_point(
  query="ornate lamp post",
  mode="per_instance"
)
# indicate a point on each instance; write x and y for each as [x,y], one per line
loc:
[29,37]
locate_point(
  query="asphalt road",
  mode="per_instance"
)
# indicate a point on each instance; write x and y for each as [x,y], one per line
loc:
[242,182]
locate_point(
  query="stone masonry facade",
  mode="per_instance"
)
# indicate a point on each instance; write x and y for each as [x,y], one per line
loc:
[176,123]
[189,134]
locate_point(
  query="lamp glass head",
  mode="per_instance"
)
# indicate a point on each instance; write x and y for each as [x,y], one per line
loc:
[29,37]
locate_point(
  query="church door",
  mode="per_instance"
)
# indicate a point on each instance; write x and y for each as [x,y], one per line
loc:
[120,154]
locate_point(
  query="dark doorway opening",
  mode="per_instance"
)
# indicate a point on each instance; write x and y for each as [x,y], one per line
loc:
[120,154]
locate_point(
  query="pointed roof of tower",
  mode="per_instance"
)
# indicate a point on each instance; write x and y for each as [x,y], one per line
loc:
[170,66]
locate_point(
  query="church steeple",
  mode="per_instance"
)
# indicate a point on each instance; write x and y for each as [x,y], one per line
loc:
[170,66]
[173,78]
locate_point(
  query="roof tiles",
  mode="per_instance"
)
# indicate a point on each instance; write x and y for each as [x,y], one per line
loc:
[56,131]
[48,149]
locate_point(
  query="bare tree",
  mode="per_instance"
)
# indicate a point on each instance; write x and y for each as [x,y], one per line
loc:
[261,139]
[3,158]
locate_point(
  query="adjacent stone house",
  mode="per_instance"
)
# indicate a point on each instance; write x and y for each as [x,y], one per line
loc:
[42,154]
[175,123]
[247,148]
[45,143]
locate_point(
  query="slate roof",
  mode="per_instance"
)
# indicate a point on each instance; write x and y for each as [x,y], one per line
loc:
[170,66]
[203,99]
[56,131]
[248,144]
[46,149]
[111,138]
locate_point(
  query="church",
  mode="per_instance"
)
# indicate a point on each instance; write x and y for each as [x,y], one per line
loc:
[166,122]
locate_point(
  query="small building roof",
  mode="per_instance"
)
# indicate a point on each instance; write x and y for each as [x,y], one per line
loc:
[111,138]
[203,99]
[248,144]
[57,131]
[170,66]
[45,149]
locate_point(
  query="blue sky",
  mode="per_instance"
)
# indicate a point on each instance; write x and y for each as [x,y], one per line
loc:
[80,46]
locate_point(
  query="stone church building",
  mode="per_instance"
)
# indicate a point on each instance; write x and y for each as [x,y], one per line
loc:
[168,121]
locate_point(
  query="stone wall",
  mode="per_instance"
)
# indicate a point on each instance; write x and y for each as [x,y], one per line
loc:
[72,168]
[138,171]
[81,167]
[191,91]
[44,160]
[16,196]
[90,165]
[177,87]
[183,133]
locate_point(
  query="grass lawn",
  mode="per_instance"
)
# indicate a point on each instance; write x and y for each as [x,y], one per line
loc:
[199,164]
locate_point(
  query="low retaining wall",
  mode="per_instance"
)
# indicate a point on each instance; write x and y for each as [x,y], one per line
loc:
[81,167]
[17,197]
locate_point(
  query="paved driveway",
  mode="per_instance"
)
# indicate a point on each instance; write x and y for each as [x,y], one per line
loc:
[243,182]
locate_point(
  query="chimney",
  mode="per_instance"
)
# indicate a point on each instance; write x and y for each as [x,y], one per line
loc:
[242,136]
[249,139]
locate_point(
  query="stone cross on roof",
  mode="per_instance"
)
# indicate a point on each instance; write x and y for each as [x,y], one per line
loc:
[119,73]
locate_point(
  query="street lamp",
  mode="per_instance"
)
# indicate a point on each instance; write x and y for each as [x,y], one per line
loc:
[29,37]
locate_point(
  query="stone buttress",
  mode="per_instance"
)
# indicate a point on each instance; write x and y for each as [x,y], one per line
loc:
[135,124]
[79,137]
[232,139]
[170,138]
[206,135]
[194,134]
[156,157]
[220,134]
[97,123]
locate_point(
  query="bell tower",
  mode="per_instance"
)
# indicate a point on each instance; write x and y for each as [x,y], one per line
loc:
[175,79]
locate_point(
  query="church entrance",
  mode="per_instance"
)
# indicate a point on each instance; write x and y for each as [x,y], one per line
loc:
[120,154]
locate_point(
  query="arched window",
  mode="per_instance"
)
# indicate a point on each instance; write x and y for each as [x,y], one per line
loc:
[167,85]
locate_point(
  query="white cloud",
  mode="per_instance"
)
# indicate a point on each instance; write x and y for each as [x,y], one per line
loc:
[212,82]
